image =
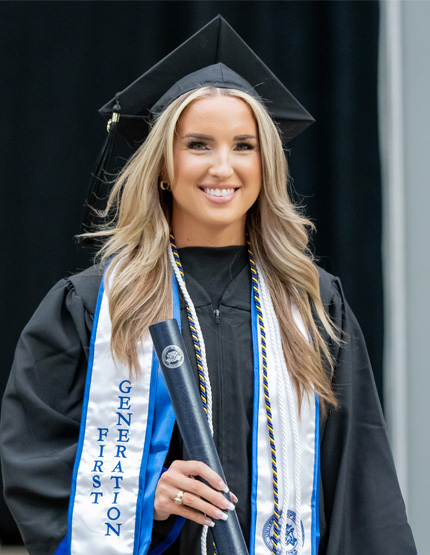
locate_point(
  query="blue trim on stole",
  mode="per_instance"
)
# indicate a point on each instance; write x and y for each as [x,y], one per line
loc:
[83,416]
[144,509]
[254,482]
[316,489]
[62,548]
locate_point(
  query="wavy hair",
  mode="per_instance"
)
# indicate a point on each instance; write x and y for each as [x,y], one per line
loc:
[136,243]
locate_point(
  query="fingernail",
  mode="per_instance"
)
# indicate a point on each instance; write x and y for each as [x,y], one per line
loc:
[223,487]
[227,505]
[233,497]
[210,523]
[221,515]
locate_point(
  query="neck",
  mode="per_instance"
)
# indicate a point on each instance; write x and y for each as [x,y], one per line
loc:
[208,237]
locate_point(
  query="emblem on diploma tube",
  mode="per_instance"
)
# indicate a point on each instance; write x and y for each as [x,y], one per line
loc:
[172,356]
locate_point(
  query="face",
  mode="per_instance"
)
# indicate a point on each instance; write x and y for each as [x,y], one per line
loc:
[217,172]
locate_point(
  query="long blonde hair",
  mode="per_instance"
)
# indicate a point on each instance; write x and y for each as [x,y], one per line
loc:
[137,241]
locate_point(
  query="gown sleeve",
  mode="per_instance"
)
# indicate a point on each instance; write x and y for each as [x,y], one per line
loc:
[40,417]
[362,506]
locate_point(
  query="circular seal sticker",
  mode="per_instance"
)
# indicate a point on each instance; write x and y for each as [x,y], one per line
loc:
[172,356]
[291,539]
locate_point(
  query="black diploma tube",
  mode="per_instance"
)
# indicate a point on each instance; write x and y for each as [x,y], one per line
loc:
[193,423]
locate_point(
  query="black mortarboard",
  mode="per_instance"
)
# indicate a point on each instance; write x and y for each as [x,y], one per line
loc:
[217,56]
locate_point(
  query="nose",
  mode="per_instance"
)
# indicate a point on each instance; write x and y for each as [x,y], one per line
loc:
[221,166]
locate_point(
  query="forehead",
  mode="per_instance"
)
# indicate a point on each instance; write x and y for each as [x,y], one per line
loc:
[225,113]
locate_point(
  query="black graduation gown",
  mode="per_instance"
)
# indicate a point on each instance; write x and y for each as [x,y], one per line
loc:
[361,508]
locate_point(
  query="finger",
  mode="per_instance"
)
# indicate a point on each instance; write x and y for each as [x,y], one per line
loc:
[233,497]
[197,489]
[165,505]
[199,504]
[195,516]
[198,468]
[193,507]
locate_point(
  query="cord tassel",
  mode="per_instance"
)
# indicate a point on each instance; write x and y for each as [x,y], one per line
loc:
[99,187]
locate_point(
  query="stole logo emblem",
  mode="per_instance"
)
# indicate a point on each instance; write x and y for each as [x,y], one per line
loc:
[291,539]
[172,356]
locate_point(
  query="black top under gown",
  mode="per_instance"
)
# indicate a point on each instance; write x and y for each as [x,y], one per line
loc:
[361,508]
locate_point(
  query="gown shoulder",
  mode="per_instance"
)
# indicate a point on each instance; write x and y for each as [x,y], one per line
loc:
[41,410]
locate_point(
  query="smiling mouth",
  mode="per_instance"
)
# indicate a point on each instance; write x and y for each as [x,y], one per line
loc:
[218,192]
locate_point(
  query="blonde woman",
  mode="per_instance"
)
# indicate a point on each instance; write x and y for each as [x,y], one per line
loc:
[203,230]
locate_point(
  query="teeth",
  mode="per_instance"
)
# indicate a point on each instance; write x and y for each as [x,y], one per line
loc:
[219,192]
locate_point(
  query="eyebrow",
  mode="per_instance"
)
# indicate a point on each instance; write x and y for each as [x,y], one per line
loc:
[210,138]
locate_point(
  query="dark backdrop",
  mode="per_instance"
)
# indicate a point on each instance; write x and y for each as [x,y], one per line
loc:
[61,61]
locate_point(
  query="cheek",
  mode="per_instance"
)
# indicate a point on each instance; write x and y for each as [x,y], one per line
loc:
[186,167]
[252,170]
[252,162]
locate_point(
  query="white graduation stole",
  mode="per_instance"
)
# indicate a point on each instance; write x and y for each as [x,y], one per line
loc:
[297,461]
[126,427]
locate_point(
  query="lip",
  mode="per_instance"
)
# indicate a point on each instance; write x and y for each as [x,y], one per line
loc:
[222,199]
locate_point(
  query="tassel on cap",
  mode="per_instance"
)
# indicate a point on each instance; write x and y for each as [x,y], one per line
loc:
[100,185]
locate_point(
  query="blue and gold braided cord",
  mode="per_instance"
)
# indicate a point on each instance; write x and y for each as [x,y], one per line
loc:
[194,335]
[254,279]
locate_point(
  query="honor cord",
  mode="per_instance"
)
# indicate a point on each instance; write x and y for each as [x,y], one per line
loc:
[200,352]
[276,513]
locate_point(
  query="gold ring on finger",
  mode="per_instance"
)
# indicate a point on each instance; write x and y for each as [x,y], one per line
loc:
[178,498]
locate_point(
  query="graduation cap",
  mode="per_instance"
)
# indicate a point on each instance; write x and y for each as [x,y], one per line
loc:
[214,56]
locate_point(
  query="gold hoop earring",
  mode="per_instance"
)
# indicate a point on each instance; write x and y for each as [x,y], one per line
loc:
[164,186]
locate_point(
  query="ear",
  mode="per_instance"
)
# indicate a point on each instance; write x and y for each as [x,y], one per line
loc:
[163,175]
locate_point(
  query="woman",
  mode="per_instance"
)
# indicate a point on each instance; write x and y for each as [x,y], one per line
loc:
[272,341]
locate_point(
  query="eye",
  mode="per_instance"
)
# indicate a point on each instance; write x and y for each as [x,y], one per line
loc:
[245,146]
[196,145]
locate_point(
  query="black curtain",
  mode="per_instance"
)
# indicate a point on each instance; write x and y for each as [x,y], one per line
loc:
[61,61]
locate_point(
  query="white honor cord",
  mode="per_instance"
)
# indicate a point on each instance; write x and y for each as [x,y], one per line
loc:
[190,304]
[180,280]
[284,383]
